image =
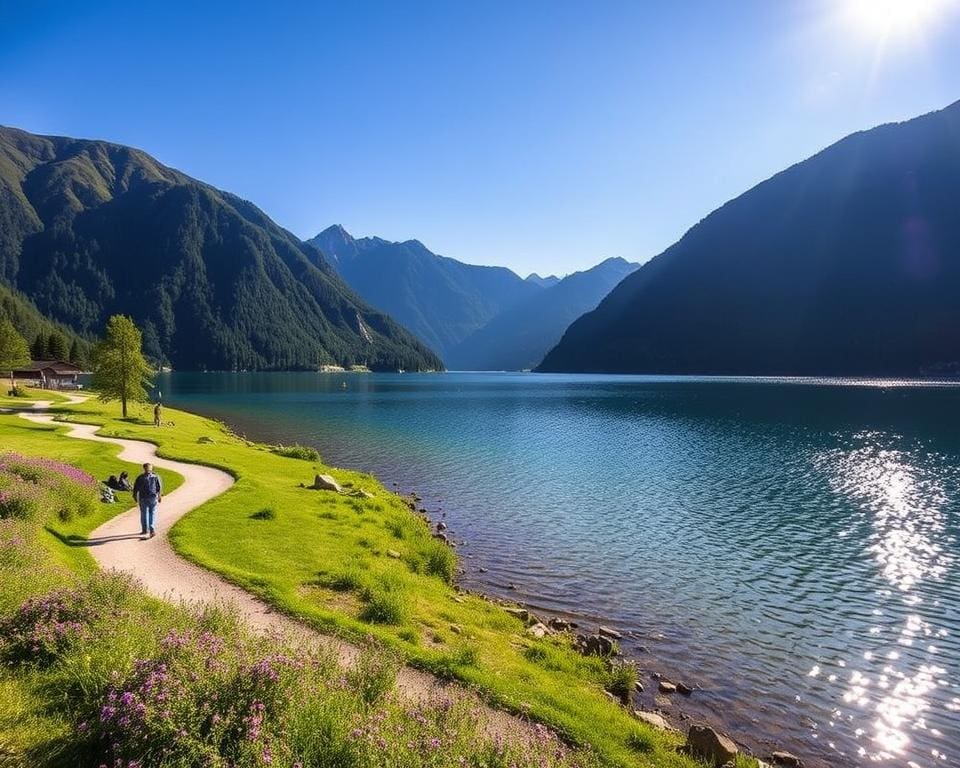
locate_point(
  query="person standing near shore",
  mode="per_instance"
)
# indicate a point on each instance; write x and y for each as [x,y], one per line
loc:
[148,493]
[157,413]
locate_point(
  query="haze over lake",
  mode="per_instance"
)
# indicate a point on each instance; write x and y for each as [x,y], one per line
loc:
[788,545]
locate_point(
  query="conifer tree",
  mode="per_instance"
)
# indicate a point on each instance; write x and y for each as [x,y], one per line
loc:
[14,350]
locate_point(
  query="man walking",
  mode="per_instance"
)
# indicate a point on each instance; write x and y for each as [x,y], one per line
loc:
[148,493]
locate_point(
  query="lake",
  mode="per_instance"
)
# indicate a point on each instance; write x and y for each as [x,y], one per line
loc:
[789,546]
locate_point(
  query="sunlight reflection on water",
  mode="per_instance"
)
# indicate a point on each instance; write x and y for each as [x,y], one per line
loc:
[907,504]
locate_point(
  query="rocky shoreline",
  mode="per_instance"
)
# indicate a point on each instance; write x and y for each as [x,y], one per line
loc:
[702,740]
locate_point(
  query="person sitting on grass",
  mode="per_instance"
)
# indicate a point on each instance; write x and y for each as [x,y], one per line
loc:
[148,493]
[121,483]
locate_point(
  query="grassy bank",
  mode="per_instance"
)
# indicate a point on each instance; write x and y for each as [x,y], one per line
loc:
[357,564]
[95,673]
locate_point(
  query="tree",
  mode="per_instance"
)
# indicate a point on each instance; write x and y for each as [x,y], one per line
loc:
[39,349]
[14,351]
[56,346]
[76,354]
[120,371]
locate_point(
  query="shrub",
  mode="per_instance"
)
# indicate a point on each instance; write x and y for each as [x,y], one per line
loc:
[440,560]
[641,742]
[621,679]
[346,580]
[264,514]
[374,672]
[43,628]
[386,602]
[304,452]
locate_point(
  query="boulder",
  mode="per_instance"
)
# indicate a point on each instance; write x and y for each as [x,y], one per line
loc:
[561,625]
[652,718]
[538,630]
[787,759]
[326,483]
[594,645]
[611,633]
[705,743]
[665,686]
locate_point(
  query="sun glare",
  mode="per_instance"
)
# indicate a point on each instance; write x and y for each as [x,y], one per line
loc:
[894,18]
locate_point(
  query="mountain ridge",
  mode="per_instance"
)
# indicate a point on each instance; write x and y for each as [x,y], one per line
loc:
[93,228]
[439,299]
[846,263]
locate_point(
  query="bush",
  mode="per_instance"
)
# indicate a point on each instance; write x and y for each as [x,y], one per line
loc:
[386,602]
[374,673]
[345,580]
[264,514]
[43,628]
[304,452]
[440,560]
[621,679]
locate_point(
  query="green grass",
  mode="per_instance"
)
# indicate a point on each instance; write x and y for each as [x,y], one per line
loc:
[323,558]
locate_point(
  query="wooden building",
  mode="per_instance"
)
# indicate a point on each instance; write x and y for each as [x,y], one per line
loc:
[49,374]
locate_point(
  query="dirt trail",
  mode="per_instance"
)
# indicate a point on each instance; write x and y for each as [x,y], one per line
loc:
[117,545]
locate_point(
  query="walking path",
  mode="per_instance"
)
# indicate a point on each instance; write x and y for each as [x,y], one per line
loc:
[117,545]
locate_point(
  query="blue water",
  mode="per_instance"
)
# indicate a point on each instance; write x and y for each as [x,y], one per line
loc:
[790,546]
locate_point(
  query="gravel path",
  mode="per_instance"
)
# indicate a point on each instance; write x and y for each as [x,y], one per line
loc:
[117,545]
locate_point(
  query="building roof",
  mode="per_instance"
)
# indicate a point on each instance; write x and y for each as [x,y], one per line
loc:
[59,367]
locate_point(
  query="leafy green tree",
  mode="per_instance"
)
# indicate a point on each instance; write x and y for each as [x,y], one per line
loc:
[56,346]
[14,351]
[38,351]
[120,371]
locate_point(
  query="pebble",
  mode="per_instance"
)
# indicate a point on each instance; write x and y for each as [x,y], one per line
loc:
[665,686]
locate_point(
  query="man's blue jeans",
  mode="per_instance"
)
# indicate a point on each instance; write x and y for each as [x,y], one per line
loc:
[148,515]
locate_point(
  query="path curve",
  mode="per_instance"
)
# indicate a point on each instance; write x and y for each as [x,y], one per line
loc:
[117,545]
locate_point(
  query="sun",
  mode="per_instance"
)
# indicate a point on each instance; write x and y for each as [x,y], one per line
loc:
[888,19]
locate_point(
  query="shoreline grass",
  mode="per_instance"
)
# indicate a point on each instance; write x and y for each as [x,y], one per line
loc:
[361,566]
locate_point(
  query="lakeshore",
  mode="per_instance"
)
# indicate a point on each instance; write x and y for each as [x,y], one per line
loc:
[743,551]
[438,628]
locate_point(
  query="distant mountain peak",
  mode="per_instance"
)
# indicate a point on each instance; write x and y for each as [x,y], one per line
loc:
[543,282]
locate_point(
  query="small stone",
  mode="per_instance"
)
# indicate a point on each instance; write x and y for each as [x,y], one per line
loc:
[652,718]
[483,570]
[442,537]
[512,586]
[393,553]
[611,633]
[787,759]
[561,625]
[441,526]
[456,629]
[639,686]
[326,483]
[538,630]
[665,686]
[365,494]
[521,613]
[706,743]
[685,689]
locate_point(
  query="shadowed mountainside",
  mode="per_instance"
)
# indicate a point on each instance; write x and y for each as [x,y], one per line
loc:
[847,264]
[518,338]
[439,299]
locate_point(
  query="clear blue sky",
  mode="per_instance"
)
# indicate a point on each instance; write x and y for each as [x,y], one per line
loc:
[538,135]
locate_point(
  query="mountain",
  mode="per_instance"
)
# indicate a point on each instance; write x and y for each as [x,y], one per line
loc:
[89,229]
[543,282]
[439,299]
[847,263]
[31,323]
[518,338]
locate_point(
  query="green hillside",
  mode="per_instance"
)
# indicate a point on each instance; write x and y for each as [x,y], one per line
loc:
[89,229]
